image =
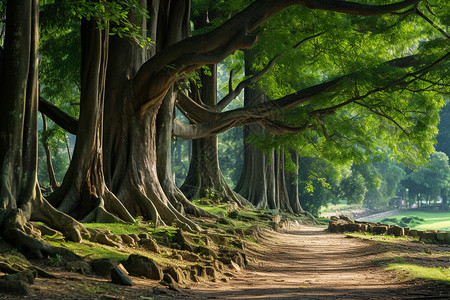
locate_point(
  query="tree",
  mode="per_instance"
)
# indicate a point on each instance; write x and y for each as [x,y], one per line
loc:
[113,174]
[20,196]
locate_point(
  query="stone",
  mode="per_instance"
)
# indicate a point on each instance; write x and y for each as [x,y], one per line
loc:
[414,233]
[106,240]
[78,266]
[398,231]
[139,265]
[103,266]
[128,240]
[428,235]
[26,276]
[150,245]
[15,287]
[120,277]
[345,218]
[443,236]
[379,229]
[353,227]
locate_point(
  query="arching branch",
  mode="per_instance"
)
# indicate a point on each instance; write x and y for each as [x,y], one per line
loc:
[266,113]
[62,119]
[191,53]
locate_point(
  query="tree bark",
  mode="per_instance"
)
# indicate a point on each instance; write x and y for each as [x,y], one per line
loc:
[51,173]
[20,197]
[263,181]
[83,193]
[205,179]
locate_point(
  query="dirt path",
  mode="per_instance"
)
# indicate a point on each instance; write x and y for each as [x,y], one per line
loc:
[309,263]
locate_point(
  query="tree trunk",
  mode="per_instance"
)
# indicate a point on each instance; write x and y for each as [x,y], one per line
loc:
[20,196]
[83,193]
[130,149]
[51,173]
[263,180]
[205,179]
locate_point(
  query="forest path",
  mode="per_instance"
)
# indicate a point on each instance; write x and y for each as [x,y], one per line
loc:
[310,263]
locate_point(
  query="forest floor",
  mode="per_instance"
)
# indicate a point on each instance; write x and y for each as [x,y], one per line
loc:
[302,263]
[310,263]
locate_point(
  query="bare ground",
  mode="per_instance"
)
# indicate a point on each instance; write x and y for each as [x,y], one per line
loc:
[304,263]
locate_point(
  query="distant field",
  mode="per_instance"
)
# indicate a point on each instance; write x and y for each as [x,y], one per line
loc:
[431,220]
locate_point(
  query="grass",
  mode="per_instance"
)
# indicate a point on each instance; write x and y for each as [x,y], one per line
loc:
[431,220]
[403,260]
[414,271]
[382,238]
[341,205]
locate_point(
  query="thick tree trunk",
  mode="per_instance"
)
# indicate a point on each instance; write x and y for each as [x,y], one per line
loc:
[130,149]
[83,193]
[205,179]
[20,197]
[263,180]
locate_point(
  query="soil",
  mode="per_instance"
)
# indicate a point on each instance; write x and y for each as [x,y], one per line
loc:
[303,263]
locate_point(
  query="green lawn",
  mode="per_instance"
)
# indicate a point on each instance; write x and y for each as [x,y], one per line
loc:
[431,220]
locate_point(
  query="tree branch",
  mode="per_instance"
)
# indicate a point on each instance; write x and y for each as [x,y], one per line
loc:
[191,53]
[420,14]
[62,119]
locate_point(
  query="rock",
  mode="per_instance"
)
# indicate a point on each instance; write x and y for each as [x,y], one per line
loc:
[150,245]
[398,231]
[143,266]
[428,235]
[78,266]
[443,236]
[128,240]
[414,233]
[406,230]
[26,276]
[104,239]
[345,218]
[390,230]
[120,277]
[103,266]
[352,227]
[379,229]
[15,287]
